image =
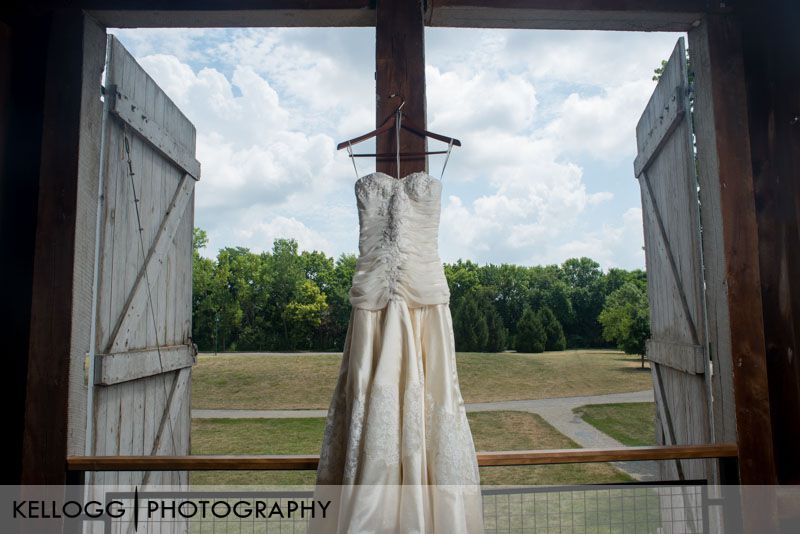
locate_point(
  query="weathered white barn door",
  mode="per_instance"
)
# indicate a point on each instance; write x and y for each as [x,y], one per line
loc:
[678,348]
[144,353]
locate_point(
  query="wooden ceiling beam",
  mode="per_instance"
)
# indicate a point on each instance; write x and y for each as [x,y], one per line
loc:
[232,14]
[642,15]
[620,15]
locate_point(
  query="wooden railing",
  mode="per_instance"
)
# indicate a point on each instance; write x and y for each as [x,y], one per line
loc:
[310,461]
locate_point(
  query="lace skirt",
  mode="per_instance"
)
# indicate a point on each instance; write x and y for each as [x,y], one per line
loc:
[397,453]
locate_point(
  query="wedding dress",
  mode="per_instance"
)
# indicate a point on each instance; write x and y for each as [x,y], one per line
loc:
[397,453]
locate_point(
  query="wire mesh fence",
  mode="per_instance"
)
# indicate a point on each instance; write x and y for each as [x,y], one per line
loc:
[623,508]
[615,508]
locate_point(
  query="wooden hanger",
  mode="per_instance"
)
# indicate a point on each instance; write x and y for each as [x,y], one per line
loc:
[405,124]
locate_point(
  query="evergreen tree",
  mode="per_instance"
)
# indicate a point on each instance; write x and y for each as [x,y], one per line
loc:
[470,329]
[553,331]
[498,333]
[531,336]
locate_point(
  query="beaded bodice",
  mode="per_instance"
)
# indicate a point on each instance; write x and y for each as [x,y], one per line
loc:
[398,242]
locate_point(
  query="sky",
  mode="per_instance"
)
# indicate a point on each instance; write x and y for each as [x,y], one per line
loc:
[546,118]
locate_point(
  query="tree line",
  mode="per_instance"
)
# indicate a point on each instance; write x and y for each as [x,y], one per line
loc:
[285,299]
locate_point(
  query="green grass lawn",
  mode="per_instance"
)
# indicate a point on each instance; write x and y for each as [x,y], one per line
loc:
[515,431]
[244,381]
[492,431]
[632,424]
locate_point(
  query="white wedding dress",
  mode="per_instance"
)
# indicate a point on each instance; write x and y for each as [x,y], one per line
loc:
[397,453]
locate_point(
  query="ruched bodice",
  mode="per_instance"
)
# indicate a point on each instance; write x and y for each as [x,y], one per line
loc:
[398,242]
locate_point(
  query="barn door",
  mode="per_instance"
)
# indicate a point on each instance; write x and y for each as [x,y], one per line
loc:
[143,349]
[677,349]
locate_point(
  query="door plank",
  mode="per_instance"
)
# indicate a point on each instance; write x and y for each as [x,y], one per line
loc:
[121,367]
[681,356]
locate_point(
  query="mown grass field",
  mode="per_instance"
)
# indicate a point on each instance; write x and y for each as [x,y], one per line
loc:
[631,424]
[249,381]
[492,431]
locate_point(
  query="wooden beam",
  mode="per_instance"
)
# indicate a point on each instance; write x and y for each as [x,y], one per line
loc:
[726,187]
[400,77]
[644,15]
[63,257]
[230,14]
[770,41]
[19,178]
[682,356]
[121,367]
[310,461]
[628,454]
[733,277]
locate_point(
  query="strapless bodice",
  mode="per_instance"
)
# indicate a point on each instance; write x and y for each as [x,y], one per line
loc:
[398,242]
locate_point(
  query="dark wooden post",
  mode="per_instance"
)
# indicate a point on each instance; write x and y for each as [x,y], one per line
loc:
[770,42]
[400,76]
[723,147]
[733,277]
[63,251]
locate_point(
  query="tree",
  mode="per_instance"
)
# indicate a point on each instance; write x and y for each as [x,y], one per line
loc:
[286,279]
[498,333]
[469,325]
[625,318]
[284,298]
[318,268]
[509,284]
[531,336]
[554,334]
[586,285]
[462,277]
[332,331]
[304,314]
[243,290]
[204,305]
[228,311]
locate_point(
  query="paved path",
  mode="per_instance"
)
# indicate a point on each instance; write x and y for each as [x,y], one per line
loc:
[556,404]
[556,411]
[298,353]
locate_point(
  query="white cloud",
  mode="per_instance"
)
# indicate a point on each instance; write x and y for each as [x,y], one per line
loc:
[601,126]
[599,198]
[585,92]
[612,245]
[259,235]
[253,153]
[478,102]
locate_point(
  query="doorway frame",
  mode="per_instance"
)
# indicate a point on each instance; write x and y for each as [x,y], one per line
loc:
[67,193]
